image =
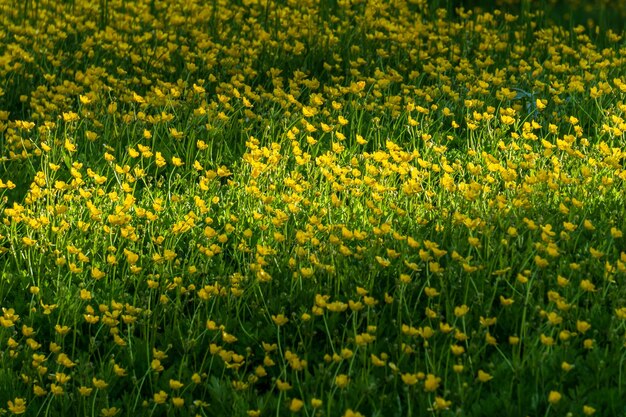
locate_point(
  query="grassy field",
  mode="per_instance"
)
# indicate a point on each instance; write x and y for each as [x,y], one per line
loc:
[316,208]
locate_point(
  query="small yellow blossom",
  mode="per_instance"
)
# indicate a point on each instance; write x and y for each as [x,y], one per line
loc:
[99,383]
[160,397]
[554,397]
[342,380]
[484,376]
[175,385]
[441,403]
[282,385]
[582,326]
[296,405]
[17,406]
[460,311]
[280,319]
[156,365]
[350,413]
[588,410]
[431,383]
[409,379]
[587,285]
[109,412]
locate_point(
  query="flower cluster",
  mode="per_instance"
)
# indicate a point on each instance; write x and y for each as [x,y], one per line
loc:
[326,208]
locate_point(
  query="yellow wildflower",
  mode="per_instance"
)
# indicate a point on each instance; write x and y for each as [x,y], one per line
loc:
[296,405]
[484,376]
[17,406]
[554,397]
[431,383]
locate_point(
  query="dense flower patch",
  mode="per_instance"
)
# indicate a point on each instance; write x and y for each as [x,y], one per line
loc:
[336,208]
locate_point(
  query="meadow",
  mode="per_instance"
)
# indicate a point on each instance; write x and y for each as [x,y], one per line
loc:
[349,208]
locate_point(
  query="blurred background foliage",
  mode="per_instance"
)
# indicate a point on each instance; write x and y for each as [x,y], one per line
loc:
[606,14]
